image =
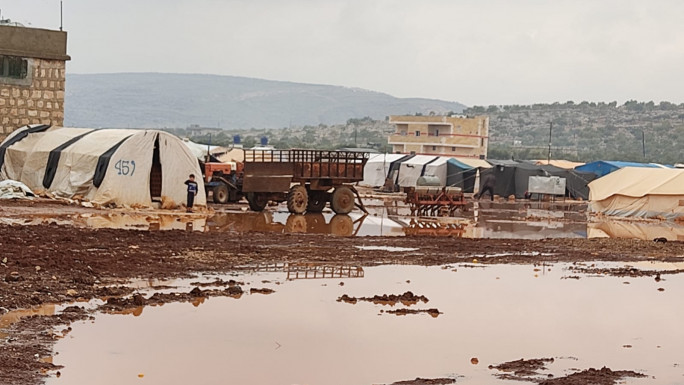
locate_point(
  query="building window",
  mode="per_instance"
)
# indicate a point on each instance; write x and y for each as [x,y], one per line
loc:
[437,132]
[434,148]
[13,67]
[453,148]
[417,133]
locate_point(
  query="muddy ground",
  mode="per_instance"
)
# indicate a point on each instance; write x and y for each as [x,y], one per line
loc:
[46,264]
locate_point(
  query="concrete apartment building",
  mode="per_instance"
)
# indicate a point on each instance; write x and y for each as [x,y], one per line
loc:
[32,75]
[440,135]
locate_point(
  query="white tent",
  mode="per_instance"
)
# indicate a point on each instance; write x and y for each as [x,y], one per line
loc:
[376,169]
[639,192]
[414,168]
[130,167]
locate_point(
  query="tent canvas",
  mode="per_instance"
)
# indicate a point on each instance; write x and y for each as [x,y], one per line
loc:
[438,169]
[412,169]
[560,163]
[124,167]
[462,172]
[513,179]
[639,192]
[377,169]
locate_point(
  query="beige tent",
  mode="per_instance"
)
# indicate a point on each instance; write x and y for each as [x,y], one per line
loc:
[124,167]
[639,192]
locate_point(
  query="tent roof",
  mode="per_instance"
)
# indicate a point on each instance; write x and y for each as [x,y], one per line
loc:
[638,182]
[385,157]
[474,162]
[503,162]
[566,164]
[420,159]
[621,164]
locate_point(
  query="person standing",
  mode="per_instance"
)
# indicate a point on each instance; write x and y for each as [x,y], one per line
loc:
[192,191]
[488,183]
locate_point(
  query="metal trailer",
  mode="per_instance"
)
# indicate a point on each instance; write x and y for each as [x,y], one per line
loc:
[433,201]
[306,179]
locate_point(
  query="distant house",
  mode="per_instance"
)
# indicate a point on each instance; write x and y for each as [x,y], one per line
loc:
[440,135]
[196,130]
[32,75]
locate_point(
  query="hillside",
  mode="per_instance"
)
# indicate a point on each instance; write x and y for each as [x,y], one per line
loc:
[587,131]
[155,100]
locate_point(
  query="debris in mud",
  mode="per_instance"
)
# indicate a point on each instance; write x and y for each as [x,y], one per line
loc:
[626,271]
[426,381]
[408,299]
[603,376]
[218,282]
[522,370]
[432,312]
[261,291]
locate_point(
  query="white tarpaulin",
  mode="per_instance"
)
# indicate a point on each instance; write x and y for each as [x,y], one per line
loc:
[413,168]
[639,192]
[376,169]
[11,189]
[103,166]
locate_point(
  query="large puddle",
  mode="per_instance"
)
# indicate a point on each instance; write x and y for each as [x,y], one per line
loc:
[528,220]
[301,334]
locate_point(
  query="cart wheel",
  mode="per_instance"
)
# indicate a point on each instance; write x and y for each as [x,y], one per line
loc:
[295,224]
[341,224]
[257,201]
[221,194]
[297,199]
[317,201]
[342,201]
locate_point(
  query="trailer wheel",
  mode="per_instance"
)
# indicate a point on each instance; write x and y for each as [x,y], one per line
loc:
[257,201]
[342,200]
[317,201]
[221,194]
[297,199]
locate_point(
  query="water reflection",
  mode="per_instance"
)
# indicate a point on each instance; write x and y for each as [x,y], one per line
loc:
[6,320]
[519,220]
[339,224]
[636,230]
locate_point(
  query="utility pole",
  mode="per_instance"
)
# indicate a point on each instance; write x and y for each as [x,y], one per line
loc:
[643,143]
[550,129]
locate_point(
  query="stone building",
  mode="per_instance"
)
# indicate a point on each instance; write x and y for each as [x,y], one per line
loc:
[32,75]
[440,135]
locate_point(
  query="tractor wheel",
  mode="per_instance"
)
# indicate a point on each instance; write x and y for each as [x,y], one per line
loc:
[342,225]
[317,201]
[342,200]
[257,201]
[297,199]
[221,194]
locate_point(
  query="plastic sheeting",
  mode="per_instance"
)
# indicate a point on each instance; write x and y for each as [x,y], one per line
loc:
[11,189]
[126,179]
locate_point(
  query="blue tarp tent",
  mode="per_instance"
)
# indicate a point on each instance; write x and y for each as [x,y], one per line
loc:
[605,167]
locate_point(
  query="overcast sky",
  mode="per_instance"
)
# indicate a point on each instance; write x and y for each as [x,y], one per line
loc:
[477,52]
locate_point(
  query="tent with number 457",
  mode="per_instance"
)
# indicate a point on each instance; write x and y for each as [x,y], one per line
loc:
[104,166]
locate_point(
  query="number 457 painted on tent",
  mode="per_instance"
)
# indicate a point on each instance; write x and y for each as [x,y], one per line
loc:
[125,167]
